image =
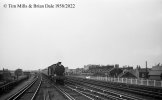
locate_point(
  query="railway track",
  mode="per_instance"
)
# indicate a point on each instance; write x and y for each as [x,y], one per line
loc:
[82,90]
[94,95]
[103,93]
[73,94]
[29,91]
[48,91]
[73,91]
[68,93]
[106,88]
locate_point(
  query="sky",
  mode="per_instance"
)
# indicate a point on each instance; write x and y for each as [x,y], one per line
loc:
[124,32]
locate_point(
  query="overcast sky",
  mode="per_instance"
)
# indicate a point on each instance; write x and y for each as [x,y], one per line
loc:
[124,32]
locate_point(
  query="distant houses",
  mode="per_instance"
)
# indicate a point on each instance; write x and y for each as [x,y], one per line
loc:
[154,73]
[99,70]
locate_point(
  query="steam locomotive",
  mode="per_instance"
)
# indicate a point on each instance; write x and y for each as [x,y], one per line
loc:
[56,72]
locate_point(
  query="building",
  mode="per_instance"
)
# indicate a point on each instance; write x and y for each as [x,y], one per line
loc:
[128,74]
[155,73]
[27,73]
[18,72]
[114,72]
[116,65]
[100,70]
[127,67]
[86,67]
[66,69]
[79,70]
[71,71]
[143,73]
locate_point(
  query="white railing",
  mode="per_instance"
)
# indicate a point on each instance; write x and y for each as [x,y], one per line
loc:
[129,81]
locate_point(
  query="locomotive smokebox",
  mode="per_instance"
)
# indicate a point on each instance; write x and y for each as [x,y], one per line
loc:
[60,69]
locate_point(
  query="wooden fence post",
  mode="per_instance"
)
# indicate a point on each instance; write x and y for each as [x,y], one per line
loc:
[131,80]
[154,82]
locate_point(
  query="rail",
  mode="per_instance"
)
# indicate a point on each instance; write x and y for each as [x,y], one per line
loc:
[37,90]
[140,90]
[65,93]
[24,89]
[111,94]
[62,91]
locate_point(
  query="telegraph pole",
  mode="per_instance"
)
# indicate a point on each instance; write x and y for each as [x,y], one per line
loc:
[146,71]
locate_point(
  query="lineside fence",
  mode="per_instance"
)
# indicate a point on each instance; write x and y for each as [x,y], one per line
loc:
[128,81]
